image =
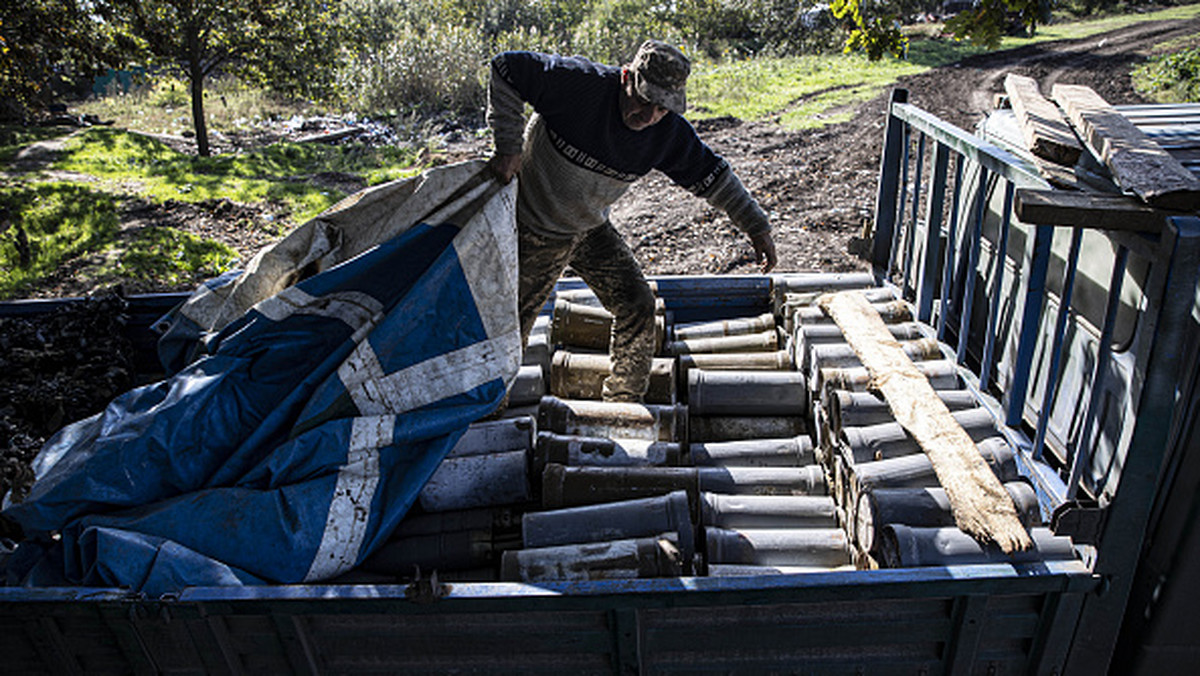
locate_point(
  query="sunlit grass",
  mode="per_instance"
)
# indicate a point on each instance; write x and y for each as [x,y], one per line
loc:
[785,88]
[277,174]
[164,106]
[15,137]
[1073,30]
[61,222]
[169,256]
[1171,77]
[50,223]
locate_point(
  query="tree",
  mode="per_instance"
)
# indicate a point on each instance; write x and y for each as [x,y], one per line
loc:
[873,34]
[47,44]
[991,20]
[271,38]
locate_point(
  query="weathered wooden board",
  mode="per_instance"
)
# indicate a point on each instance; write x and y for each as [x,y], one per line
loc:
[1088,210]
[980,504]
[1138,164]
[1047,133]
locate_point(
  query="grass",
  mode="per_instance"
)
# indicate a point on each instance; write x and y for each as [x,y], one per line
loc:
[50,223]
[165,107]
[795,91]
[812,91]
[1172,77]
[62,222]
[276,174]
[13,138]
[1074,30]
[168,255]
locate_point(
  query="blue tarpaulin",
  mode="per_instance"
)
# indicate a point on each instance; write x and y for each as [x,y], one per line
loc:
[303,432]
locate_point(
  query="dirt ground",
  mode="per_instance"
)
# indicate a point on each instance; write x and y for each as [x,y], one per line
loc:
[818,186]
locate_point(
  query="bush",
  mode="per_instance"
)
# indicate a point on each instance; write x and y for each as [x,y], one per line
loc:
[613,29]
[416,57]
[169,92]
[439,68]
[1171,78]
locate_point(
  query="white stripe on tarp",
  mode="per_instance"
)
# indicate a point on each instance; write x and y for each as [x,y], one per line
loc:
[487,252]
[445,375]
[350,508]
[355,308]
[201,305]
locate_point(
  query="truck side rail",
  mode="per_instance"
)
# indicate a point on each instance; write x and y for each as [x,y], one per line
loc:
[1126,403]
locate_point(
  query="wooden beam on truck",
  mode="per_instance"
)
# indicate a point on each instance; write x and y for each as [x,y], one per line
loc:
[1088,210]
[1138,164]
[1047,133]
[978,500]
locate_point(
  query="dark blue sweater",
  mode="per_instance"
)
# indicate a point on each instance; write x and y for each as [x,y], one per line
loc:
[579,101]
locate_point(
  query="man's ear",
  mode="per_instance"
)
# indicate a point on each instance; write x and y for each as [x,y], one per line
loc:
[625,75]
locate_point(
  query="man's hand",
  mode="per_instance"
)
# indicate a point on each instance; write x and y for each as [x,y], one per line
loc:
[505,167]
[764,250]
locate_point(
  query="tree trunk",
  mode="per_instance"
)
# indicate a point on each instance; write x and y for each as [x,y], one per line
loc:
[196,78]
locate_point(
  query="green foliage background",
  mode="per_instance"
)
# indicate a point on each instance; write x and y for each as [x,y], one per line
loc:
[1171,78]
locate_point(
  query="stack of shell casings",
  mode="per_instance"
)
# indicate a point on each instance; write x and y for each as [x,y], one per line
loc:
[716,477]
[614,505]
[887,495]
[738,380]
[469,511]
[758,450]
[790,292]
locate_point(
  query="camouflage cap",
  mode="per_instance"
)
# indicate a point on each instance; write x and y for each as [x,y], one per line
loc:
[660,74]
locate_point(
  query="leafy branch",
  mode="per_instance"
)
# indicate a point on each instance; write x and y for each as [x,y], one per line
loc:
[876,35]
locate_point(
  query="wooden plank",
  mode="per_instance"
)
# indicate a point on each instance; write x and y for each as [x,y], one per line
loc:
[1088,210]
[978,500]
[1046,132]
[1137,163]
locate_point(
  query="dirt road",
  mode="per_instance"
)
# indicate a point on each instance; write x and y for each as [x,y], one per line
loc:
[819,186]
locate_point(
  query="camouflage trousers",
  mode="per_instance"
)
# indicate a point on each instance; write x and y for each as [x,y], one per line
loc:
[603,260]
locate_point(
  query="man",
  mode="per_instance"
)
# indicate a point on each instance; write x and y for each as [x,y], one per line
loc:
[595,130]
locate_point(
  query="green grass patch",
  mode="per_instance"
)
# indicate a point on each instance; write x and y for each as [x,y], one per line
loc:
[765,88]
[1073,30]
[940,51]
[1170,78]
[50,223]
[829,107]
[168,256]
[278,173]
[56,223]
[14,137]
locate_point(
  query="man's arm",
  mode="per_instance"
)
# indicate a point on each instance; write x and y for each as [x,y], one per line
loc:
[728,194]
[506,117]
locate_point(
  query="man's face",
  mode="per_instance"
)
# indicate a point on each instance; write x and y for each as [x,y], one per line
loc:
[636,112]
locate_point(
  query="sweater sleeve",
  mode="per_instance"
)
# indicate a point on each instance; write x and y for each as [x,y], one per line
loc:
[727,193]
[505,110]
